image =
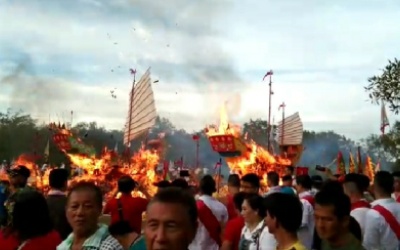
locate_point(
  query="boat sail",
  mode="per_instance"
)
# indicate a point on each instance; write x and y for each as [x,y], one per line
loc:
[142,111]
[290,137]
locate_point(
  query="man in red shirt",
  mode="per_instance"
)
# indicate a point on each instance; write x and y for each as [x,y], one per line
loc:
[233,228]
[126,207]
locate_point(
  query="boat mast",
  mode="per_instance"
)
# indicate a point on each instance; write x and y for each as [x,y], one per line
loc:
[282,106]
[133,72]
[269,110]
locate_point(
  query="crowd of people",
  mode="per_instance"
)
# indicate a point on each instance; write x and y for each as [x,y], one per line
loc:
[296,213]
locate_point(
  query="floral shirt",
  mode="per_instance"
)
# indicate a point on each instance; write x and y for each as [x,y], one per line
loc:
[100,240]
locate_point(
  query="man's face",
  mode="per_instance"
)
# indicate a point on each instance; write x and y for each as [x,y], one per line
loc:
[327,224]
[83,211]
[17,180]
[271,223]
[248,188]
[288,172]
[167,228]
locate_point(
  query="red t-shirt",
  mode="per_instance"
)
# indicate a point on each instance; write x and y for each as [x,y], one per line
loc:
[49,241]
[132,209]
[233,230]
[230,206]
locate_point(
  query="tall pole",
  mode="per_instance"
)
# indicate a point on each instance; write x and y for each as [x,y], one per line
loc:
[197,152]
[133,72]
[283,122]
[269,111]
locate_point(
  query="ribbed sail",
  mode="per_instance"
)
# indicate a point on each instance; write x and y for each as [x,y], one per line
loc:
[290,131]
[142,112]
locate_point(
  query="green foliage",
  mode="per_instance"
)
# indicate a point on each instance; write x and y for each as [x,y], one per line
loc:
[19,134]
[386,87]
[386,147]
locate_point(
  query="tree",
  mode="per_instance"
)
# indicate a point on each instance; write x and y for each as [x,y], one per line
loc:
[386,87]
[257,131]
[386,148]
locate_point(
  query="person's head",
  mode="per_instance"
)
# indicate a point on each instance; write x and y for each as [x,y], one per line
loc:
[233,183]
[253,209]
[353,186]
[250,183]
[287,180]
[316,182]
[332,214]
[396,178]
[58,179]
[19,176]
[171,220]
[283,213]
[383,184]
[84,206]
[272,179]
[119,230]
[207,185]
[289,170]
[180,183]
[126,184]
[303,183]
[162,184]
[238,199]
[30,216]
[332,186]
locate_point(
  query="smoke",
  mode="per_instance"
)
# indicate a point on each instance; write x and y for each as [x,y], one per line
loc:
[31,93]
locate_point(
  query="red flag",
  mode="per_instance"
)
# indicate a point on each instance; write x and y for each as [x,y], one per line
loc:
[282,106]
[196,137]
[179,163]
[384,118]
[269,73]
[132,71]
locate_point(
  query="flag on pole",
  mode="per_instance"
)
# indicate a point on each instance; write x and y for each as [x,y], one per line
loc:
[179,163]
[359,161]
[384,118]
[341,168]
[282,106]
[378,165]
[369,170]
[269,73]
[218,164]
[352,165]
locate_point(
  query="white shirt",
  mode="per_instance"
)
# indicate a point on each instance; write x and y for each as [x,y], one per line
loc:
[306,231]
[378,234]
[202,239]
[266,239]
[360,214]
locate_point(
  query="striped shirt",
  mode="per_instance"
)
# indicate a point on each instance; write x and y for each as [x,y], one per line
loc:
[100,240]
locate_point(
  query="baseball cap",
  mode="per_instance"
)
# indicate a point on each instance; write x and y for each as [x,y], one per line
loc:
[20,170]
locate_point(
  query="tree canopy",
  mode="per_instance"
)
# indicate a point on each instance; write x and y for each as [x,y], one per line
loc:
[19,134]
[386,86]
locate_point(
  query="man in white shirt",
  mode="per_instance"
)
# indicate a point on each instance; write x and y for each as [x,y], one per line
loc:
[381,227]
[213,216]
[273,183]
[306,231]
[353,188]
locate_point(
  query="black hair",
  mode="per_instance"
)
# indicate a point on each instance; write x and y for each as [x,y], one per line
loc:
[238,199]
[287,177]
[317,181]
[396,174]
[337,199]
[252,179]
[256,202]
[364,182]
[332,186]
[287,209]
[273,177]
[207,185]
[120,228]
[356,179]
[290,168]
[58,178]
[163,184]
[178,196]
[180,183]
[304,180]
[126,184]
[87,186]
[384,181]
[234,180]
[31,216]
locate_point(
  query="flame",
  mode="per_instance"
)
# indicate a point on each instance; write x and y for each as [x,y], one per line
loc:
[255,159]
